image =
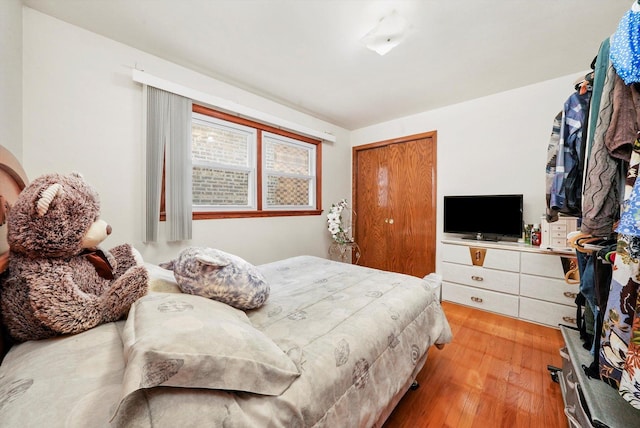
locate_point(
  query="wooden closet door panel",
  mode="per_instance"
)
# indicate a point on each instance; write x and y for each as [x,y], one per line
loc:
[412,203]
[371,179]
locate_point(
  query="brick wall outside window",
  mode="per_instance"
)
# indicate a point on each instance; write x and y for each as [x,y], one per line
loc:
[242,168]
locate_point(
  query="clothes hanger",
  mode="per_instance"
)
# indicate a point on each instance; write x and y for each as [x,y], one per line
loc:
[579,241]
[572,276]
[575,240]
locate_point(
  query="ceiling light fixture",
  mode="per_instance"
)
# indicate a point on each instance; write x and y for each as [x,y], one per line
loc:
[390,31]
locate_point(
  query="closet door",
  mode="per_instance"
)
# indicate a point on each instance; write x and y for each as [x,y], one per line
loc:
[394,198]
[371,202]
[412,207]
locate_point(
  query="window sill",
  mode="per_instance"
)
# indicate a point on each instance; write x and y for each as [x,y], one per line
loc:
[247,214]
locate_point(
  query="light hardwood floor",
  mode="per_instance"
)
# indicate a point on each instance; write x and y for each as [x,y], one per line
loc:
[493,374]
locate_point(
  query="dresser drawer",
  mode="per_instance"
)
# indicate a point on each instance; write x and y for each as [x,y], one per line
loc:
[551,314]
[559,242]
[495,280]
[493,258]
[549,289]
[481,299]
[549,265]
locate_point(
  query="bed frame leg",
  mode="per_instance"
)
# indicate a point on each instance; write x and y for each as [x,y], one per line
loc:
[414,385]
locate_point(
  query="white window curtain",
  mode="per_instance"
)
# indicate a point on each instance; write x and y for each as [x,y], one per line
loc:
[168,134]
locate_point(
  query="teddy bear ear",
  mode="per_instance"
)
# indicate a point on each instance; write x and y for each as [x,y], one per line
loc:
[47,196]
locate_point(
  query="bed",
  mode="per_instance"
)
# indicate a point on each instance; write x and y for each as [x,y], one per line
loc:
[334,345]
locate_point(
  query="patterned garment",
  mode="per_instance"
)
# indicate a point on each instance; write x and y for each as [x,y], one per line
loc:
[625,46]
[624,333]
[620,339]
[566,187]
[630,380]
[630,217]
[552,159]
[618,317]
[601,200]
[625,120]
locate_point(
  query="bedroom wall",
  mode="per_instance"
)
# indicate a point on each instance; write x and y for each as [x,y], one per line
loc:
[83,112]
[11,76]
[491,145]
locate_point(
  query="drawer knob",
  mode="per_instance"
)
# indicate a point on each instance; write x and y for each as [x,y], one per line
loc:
[476,299]
[570,295]
[477,278]
[569,319]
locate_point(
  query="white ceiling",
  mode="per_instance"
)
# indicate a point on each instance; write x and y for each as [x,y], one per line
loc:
[306,53]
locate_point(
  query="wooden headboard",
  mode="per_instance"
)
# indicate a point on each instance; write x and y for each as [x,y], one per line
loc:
[12,180]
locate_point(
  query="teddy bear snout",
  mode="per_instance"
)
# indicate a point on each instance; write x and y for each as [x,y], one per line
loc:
[96,233]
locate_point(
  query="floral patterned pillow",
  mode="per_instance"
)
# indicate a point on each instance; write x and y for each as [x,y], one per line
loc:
[181,340]
[221,276]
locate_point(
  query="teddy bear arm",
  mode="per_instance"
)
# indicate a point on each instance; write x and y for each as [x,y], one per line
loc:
[125,257]
[123,292]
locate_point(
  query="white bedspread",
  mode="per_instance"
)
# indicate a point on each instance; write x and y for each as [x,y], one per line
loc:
[356,335]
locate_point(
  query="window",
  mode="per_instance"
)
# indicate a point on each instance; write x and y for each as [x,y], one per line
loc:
[243,168]
[289,172]
[224,164]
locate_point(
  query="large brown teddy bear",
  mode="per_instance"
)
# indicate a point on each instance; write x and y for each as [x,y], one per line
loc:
[59,282]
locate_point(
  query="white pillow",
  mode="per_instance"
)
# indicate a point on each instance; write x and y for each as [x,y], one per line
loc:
[181,340]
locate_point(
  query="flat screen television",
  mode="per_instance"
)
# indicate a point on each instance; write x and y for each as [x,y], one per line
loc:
[484,217]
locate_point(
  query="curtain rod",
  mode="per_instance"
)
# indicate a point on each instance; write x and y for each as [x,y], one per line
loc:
[229,106]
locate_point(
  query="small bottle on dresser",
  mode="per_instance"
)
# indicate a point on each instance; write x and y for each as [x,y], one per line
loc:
[536,235]
[527,234]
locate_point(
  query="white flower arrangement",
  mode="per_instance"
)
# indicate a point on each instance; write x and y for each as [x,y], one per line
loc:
[340,234]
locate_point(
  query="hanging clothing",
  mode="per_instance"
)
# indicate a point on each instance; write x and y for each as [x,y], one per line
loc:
[630,217]
[625,46]
[552,160]
[601,197]
[625,120]
[630,380]
[611,193]
[599,75]
[620,312]
[620,347]
[566,188]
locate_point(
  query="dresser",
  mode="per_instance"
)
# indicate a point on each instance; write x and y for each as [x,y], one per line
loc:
[520,281]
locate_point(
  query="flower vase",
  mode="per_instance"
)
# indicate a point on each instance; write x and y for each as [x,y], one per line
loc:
[348,252]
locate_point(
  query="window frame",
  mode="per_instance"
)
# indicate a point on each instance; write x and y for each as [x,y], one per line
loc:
[251,169]
[280,139]
[260,210]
